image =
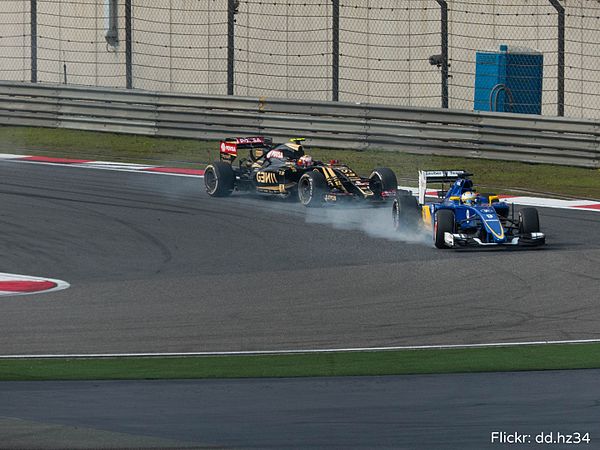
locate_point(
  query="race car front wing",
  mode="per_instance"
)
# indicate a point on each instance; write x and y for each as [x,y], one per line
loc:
[463,240]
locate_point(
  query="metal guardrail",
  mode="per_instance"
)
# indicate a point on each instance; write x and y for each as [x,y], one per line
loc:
[514,137]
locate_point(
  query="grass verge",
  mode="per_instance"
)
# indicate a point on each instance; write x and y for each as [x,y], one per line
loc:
[376,363]
[502,176]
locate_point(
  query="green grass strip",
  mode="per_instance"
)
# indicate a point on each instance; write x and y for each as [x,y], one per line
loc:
[422,361]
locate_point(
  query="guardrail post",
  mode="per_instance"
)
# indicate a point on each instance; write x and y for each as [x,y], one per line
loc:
[335,51]
[128,46]
[561,58]
[444,44]
[33,34]
[231,11]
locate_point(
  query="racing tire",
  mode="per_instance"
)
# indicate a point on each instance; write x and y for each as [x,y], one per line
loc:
[382,179]
[311,188]
[405,212]
[219,179]
[529,221]
[444,222]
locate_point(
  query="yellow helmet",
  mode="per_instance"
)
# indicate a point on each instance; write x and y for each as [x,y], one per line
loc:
[468,197]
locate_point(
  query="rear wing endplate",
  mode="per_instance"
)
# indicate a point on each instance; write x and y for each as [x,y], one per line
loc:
[229,146]
[437,176]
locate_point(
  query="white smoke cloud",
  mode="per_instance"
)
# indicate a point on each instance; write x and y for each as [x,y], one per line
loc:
[376,221]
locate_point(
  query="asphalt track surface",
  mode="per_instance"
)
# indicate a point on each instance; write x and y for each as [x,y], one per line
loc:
[459,411]
[155,265]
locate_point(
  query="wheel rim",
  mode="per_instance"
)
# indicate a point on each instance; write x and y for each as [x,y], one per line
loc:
[521,227]
[305,190]
[210,180]
[376,185]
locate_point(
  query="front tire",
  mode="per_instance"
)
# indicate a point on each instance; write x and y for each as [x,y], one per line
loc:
[382,179]
[311,188]
[219,179]
[444,222]
[529,221]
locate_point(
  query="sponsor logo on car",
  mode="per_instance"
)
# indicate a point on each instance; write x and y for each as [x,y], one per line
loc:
[275,154]
[250,140]
[228,148]
[266,177]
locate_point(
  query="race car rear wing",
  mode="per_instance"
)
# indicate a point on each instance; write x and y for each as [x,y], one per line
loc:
[438,176]
[229,147]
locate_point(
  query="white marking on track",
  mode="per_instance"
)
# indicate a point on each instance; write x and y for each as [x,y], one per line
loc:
[113,165]
[11,156]
[305,351]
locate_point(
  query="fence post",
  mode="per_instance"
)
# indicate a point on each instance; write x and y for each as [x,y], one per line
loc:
[231,11]
[444,35]
[33,33]
[335,51]
[128,46]
[561,57]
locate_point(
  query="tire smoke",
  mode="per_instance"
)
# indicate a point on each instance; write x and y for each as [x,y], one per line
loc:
[372,220]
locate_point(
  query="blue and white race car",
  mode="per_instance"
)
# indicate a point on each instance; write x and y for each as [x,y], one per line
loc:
[462,217]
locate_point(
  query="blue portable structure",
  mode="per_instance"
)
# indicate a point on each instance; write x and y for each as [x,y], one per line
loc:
[509,80]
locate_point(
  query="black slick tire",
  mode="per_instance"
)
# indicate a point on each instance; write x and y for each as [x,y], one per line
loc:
[444,222]
[311,188]
[219,179]
[529,221]
[382,179]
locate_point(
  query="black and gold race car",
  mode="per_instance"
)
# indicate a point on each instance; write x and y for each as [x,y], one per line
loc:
[285,170]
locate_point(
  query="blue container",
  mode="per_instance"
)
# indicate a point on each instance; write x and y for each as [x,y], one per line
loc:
[509,80]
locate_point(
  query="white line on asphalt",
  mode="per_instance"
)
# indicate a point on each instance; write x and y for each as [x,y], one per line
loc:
[308,351]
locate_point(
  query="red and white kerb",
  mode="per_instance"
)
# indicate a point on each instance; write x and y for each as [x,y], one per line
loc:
[11,284]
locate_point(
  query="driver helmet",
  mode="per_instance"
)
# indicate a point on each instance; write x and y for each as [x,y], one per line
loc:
[468,197]
[305,160]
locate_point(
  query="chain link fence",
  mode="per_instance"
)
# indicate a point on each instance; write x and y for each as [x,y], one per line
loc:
[180,46]
[421,53]
[530,31]
[15,26]
[384,51]
[582,56]
[283,49]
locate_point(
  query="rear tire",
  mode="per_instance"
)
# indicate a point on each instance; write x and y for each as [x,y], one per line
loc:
[311,188]
[529,221]
[219,179]
[405,213]
[382,179]
[444,222]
